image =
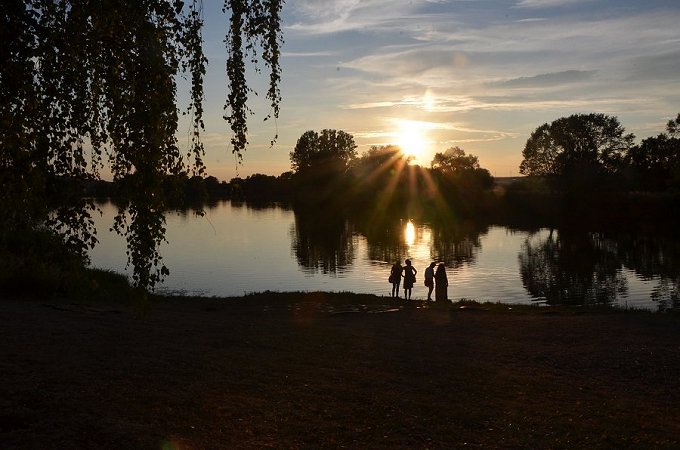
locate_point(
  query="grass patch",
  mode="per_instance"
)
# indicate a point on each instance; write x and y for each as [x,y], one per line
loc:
[331,300]
[37,264]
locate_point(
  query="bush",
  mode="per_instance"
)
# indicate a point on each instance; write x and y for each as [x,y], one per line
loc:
[38,263]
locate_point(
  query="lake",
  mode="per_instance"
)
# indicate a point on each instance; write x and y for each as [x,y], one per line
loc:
[236,248]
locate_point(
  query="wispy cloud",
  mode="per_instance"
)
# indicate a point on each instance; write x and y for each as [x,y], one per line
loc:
[549,79]
[483,73]
[307,54]
[532,19]
[371,105]
[548,3]
[334,16]
[649,68]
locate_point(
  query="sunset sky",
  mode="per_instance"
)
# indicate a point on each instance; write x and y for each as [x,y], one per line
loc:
[479,74]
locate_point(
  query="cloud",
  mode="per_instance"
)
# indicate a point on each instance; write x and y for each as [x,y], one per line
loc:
[548,3]
[657,67]
[334,16]
[549,79]
[532,19]
[587,56]
[490,66]
[307,54]
[371,105]
[469,103]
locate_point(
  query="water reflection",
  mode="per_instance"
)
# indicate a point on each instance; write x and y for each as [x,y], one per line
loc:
[654,258]
[322,243]
[222,253]
[385,242]
[410,233]
[572,268]
[456,244]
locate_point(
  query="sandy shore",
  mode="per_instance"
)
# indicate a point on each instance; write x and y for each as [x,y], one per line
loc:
[332,371]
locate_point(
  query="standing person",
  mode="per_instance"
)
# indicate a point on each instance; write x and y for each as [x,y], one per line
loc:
[409,278]
[442,284]
[429,279]
[395,278]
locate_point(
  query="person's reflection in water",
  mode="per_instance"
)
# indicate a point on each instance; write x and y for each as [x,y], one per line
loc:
[442,284]
[429,279]
[409,278]
[395,278]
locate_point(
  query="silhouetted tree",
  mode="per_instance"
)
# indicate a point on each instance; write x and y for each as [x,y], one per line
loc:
[212,186]
[460,179]
[236,189]
[655,162]
[578,148]
[454,159]
[328,151]
[320,162]
[377,161]
[259,186]
[379,171]
[82,83]
[195,190]
[673,126]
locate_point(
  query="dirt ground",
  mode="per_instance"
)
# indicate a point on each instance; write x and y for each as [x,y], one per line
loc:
[332,371]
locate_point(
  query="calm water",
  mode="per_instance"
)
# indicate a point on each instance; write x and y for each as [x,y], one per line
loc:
[236,249]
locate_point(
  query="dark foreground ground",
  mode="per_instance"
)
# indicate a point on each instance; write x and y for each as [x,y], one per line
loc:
[332,371]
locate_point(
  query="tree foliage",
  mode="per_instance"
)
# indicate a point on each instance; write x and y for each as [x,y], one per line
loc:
[673,127]
[378,161]
[460,178]
[454,159]
[320,162]
[379,176]
[89,84]
[655,162]
[580,142]
[327,151]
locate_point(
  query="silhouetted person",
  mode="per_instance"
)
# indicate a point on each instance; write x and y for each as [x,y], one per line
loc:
[442,284]
[395,278]
[409,278]
[429,279]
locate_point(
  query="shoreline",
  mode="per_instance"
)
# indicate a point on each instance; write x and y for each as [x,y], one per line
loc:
[304,370]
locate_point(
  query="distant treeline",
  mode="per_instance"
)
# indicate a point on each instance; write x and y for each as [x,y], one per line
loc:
[425,194]
[180,189]
[383,179]
[524,205]
[581,169]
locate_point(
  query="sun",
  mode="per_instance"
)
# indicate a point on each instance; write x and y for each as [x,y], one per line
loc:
[411,138]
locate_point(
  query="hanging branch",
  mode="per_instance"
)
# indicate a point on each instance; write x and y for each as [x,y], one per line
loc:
[89,83]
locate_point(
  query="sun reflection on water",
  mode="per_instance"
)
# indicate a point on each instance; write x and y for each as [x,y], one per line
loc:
[410,233]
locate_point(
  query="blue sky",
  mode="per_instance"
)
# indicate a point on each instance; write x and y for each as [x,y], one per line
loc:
[432,74]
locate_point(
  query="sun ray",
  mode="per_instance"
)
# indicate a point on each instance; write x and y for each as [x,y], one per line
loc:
[385,195]
[440,204]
